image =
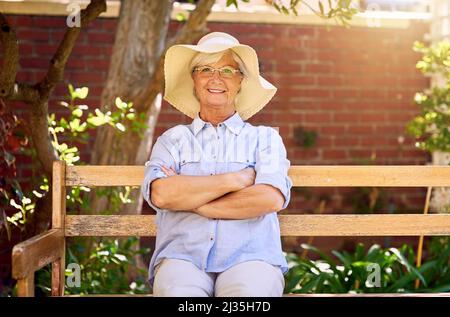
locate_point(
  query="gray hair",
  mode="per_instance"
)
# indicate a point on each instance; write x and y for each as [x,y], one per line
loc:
[201,59]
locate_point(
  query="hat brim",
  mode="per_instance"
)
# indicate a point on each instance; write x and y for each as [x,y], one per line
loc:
[255,92]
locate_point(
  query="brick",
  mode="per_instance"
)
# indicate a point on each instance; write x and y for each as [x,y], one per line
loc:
[76,63]
[281,67]
[334,154]
[20,21]
[317,117]
[32,35]
[332,129]
[317,68]
[360,154]
[345,141]
[101,38]
[109,24]
[85,78]
[51,22]
[329,80]
[301,153]
[34,62]
[372,117]
[361,129]
[88,51]
[346,117]
[45,49]
[346,94]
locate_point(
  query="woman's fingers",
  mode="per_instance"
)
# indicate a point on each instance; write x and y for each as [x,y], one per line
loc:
[168,171]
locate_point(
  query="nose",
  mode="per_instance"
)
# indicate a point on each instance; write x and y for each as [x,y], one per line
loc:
[216,74]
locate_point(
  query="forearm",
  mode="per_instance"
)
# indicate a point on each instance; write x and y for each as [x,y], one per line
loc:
[182,192]
[250,202]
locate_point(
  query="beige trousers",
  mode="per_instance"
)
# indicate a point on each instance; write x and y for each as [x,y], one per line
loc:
[180,278]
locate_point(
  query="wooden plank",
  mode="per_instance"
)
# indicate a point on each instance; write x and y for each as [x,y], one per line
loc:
[116,225]
[36,252]
[25,286]
[302,176]
[58,221]
[105,175]
[291,225]
[58,278]
[59,194]
[365,225]
[372,176]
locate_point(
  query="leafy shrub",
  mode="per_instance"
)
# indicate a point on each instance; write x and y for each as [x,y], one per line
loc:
[351,273]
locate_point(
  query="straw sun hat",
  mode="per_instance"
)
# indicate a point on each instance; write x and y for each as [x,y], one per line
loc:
[179,87]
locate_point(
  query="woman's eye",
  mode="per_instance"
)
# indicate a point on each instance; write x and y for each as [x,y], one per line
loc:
[206,70]
[227,71]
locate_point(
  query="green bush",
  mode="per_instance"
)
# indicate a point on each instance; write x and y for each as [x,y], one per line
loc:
[105,263]
[432,125]
[103,270]
[352,273]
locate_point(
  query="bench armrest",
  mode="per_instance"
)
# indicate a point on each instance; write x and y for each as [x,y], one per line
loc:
[33,254]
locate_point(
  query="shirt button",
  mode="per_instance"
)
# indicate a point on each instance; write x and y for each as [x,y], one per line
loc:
[211,238]
[212,173]
[220,124]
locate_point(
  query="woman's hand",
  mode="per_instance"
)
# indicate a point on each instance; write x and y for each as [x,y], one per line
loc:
[168,171]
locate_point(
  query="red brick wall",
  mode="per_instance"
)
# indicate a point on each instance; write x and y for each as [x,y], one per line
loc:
[354,87]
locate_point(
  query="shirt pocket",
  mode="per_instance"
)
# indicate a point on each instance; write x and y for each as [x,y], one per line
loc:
[190,164]
[238,164]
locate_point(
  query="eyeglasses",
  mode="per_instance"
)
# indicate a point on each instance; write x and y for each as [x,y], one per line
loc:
[208,71]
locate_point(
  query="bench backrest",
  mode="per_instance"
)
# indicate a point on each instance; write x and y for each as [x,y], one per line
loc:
[291,225]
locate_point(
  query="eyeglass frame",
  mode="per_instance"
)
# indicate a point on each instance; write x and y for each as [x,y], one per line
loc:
[234,70]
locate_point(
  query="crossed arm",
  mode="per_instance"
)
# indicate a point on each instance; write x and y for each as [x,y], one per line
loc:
[226,196]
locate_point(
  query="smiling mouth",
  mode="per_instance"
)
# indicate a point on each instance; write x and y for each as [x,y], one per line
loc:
[216,91]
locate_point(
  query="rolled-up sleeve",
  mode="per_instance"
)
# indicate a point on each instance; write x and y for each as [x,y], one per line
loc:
[163,154]
[272,165]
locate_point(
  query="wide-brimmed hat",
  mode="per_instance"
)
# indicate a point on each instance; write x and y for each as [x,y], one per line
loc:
[255,91]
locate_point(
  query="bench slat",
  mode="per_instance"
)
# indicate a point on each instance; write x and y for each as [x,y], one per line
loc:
[304,176]
[291,225]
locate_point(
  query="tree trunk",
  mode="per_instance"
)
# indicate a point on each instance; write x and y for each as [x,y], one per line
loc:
[139,45]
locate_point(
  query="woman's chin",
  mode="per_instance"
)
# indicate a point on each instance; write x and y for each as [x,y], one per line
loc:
[216,103]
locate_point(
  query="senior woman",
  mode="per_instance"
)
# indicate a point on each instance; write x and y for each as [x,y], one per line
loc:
[217,183]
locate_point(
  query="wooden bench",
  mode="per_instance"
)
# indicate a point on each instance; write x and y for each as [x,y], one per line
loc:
[49,247]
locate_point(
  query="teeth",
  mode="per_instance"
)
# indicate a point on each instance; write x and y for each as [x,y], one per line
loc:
[215,90]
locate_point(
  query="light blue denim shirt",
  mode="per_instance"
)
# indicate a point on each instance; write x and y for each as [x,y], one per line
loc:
[202,149]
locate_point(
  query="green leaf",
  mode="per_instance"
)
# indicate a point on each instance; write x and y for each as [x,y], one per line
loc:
[120,104]
[77,112]
[74,124]
[232,2]
[131,116]
[120,127]
[81,93]
[14,204]
[181,17]
[96,121]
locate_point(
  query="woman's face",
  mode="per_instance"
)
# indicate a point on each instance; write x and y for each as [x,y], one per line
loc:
[216,91]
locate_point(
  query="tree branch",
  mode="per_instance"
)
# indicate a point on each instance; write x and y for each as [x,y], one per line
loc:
[8,40]
[59,60]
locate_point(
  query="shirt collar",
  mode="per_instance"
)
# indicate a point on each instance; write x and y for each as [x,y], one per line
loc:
[233,123]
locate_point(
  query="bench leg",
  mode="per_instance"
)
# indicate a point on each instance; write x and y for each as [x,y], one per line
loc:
[25,286]
[58,277]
